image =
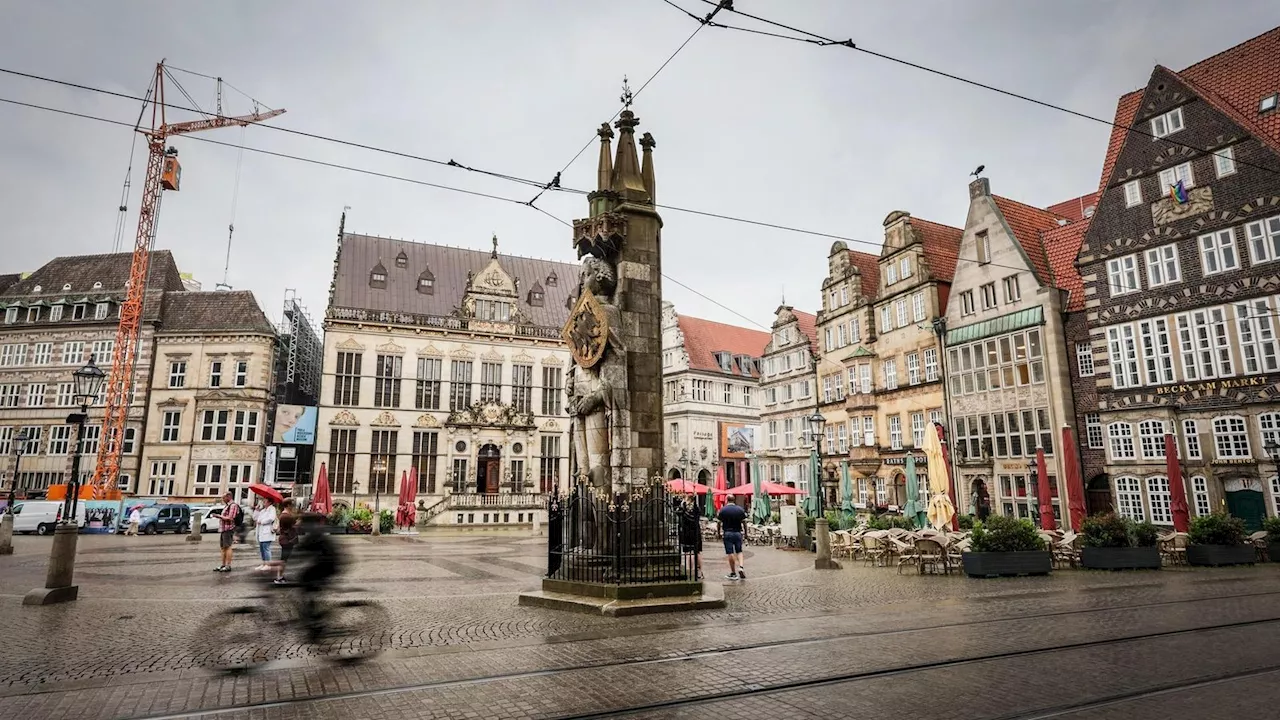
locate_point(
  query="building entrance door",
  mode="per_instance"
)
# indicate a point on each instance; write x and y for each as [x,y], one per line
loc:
[1098,495]
[488,469]
[1249,506]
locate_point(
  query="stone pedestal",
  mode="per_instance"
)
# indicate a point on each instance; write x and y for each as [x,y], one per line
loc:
[58,587]
[822,534]
[197,529]
[6,533]
[537,527]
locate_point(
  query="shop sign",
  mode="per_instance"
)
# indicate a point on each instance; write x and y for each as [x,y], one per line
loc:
[920,460]
[1214,385]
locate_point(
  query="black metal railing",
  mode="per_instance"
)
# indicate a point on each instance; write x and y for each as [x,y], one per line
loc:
[620,539]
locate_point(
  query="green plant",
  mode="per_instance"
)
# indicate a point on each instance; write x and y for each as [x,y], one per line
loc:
[337,517]
[1145,534]
[1005,534]
[1217,529]
[386,521]
[833,519]
[1272,526]
[808,525]
[775,517]
[966,522]
[1106,531]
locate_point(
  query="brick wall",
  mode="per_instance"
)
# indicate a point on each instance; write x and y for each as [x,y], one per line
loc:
[1085,395]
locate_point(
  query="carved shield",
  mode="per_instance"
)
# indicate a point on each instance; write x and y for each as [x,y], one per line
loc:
[587,331]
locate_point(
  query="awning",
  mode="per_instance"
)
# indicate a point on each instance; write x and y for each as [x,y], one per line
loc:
[996,326]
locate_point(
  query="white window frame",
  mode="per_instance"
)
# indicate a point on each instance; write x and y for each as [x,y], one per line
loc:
[895,432]
[1166,124]
[1224,161]
[100,310]
[171,426]
[886,318]
[1084,359]
[904,266]
[1120,441]
[890,273]
[931,364]
[966,303]
[1170,177]
[1132,193]
[917,307]
[1012,290]
[1231,438]
[1129,498]
[990,300]
[869,430]
[1191,436]
[1157,351]
[177,373]
[1218,251]
[1122,275]
[1093,431]
[1263,238]
[55,313]
[1151,439]
[1162,266]
[1255,330]
[913,368]
[889,368]
[901,306]
[1122,342]
[1160,500]
[1200,495]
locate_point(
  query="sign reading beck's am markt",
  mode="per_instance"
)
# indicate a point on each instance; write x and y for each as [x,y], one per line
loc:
[1214,385]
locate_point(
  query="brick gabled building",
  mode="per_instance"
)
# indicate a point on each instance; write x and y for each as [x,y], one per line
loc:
[1182,290]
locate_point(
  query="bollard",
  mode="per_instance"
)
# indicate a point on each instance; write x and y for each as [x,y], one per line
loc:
[62,568]
[823,537]
[197,528]
[6,534]
[537,529]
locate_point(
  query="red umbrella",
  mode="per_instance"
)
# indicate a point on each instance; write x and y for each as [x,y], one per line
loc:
[767,487]
[720,485]
[320,500]
[406,514]
[1047,521]
[679,485]
[1177,491]
[1075,483]
[267,492]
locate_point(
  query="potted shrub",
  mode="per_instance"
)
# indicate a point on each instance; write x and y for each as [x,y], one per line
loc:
[1115,543]
[1006,546]
[360,521]
[1272,526]
[966,522]
[1219,539]
[386,521]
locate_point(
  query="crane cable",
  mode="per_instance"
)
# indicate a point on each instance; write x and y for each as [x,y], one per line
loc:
[231,226]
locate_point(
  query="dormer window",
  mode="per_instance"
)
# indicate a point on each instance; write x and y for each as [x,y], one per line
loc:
[78,312]
[378,276]
[402,260]
[55,313]
[66,288]
[725,360]
[33,314]
[427,283]
[1167,124]
[97,286]
[552,280]
[744,364]
[536,295]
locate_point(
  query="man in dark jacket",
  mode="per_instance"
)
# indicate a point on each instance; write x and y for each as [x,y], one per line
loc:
[733,520]
[691,531]
[322,561]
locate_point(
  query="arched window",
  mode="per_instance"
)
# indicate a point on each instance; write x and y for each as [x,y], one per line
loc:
[1121,435]
[674,474]
[1200,495]
[1129,498]
[1231,437]
[1151,433]
[1160,500]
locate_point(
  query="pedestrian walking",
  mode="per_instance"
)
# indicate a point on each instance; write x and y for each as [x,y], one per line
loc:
[691,532]
[135,521]
[228,519]
[264,524]
[732,519]
[287,537]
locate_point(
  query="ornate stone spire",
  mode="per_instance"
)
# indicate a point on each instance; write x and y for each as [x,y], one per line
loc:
[626,165]
[604,171]
[647,144]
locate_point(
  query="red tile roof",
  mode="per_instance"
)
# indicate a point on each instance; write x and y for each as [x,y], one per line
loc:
[1063,245]
[1126,111]
[1074,208]
[1027,224]
[809,326]
[704,338]
[869,266]
[941,247]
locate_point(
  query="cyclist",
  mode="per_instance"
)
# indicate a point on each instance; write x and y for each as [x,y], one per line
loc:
[321,562]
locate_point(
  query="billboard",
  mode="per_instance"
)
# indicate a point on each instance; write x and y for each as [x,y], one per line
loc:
[738,439]
[295,425]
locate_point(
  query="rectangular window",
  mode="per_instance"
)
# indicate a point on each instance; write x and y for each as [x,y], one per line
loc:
[33,314]
[215,374]
[549,463]
[35,395]
[895,432]
[917,430]
[1171,177]
[382,461]
[869,430]
[59,439]
[1122,275]
[886,319]
[92,436]
[966,303]
[773,434]
[930,364]
[246,426]
[1132,193]
[1200,491]
[890,274]
[842,335]
[1264,240]
[1204,344]
[913,368]
[66,394]
[427,392]
[214,425]
[170,426]
[346,386]
[1157,354]
[1151,439]
[1256,330]
[100,310]
[42,353]
[1218,252]
[1124,356]
[864,377]
[11,315]
[102,350]
[1084,359]
[342,460]
[988,296]
[458,477]
[386,383]
[426,448]
[983,247]
[789,432]
[459,384]
[1093,430]
[890,370]
[1012,291]
[1224,161]
[77,312]
[553,392]
[1129,499]
[1167,124]
[130,439]
[178,374]
[490,381]
[727,395]
[1162,266]
[747,399]
[242,373]
[901,306]
[72,353]
[1191,433]
[855,325]
[10,395]
[1231,438]
[1121,435]
[828,390]
[522,388]
[917,306]
[55,313]
[844,293]
[164,475]
[829,336]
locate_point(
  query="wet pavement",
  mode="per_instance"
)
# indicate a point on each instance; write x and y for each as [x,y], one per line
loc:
[793,642]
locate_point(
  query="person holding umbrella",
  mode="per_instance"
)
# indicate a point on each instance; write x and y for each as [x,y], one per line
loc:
[264,521]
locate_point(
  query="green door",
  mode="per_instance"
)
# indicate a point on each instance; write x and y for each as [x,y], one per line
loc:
[1249,506]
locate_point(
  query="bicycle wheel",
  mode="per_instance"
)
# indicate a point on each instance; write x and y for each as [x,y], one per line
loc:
[353,631]
[229,641]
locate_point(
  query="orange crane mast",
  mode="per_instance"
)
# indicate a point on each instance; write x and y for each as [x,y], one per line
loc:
[163,173]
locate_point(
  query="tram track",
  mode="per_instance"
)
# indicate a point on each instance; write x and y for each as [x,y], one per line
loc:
[770,689]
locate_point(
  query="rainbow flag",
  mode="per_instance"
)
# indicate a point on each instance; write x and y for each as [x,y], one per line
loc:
[1178,193]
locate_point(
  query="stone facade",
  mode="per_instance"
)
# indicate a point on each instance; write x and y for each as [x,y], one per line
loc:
[788,381]
[1182,297]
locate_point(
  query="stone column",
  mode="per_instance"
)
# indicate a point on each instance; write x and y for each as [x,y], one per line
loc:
[58,587]
[6,533]
[197,530]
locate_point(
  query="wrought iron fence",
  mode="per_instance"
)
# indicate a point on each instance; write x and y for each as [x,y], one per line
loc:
[647,536]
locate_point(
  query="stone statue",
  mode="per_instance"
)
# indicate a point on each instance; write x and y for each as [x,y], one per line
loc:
[597,388]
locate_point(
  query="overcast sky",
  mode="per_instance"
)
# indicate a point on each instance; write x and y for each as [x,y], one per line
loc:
[820,138]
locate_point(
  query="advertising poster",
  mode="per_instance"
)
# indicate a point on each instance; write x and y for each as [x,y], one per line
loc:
[738,439]
[295,425]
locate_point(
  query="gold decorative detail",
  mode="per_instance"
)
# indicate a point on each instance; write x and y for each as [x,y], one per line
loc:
[426,421]
[390,348]
[350,344]
[385,419]
[587,330]
[345,418]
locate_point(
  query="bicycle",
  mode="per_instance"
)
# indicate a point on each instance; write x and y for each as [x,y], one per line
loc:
[243,638]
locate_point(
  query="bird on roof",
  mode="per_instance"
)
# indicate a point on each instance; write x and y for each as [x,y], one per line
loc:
[978,172]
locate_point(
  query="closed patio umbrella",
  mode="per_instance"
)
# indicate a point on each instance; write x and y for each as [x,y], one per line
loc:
[846,490]
[1177,491]
[941,510]
[321,502]
[913,508]
[761,510]
[721,484]
[1075,483]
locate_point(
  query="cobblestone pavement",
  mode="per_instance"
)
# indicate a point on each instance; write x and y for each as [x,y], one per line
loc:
[792,643]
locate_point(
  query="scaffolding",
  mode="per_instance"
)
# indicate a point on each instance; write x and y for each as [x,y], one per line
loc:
[302,354]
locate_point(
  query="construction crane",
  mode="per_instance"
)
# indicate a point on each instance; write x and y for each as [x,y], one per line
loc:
[163,173]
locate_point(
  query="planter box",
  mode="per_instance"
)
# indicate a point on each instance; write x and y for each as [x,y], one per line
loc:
[1273,552]
[996,564]
[1121,558]
[1215,555]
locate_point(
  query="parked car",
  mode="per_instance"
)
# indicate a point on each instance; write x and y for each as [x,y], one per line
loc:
[211,522]
[42,516]
[163,518]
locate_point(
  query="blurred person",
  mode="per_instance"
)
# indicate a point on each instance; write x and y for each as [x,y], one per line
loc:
[287,537]
[321,563]
[135,520]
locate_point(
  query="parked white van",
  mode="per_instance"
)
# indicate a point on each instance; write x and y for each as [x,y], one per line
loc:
[41,516]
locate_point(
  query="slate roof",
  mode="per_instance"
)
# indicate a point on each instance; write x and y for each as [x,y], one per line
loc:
[1063,245]
[359,254]
[704,338]
[869,266]
[1074,209]
[217,310]
[1027,224]
[82,271]
[7,281]
[941,247]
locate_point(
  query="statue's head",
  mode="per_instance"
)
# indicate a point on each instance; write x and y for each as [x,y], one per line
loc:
[598,276]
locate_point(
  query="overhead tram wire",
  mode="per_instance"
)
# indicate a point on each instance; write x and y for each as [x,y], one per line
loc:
[823,41]
[362,171]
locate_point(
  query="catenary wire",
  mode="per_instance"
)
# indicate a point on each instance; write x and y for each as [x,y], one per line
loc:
[823,41]
[363,171]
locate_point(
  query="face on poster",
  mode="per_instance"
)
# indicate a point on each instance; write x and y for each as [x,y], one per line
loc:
[295,425]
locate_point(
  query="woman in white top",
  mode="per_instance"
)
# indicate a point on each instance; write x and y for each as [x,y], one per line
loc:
[264,521]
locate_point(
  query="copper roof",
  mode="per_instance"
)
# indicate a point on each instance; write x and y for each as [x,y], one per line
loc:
[230,310]
[358,255]
[1063,245]
[1027,224]
[704,338]
[82,271]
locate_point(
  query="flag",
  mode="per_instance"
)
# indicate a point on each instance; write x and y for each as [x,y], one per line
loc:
[1179,193]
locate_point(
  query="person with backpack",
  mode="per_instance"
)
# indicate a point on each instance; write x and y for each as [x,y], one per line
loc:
[229,520]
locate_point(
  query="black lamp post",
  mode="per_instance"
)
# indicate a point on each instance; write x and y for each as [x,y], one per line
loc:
[19,449]
[1033,489]
[822,533]
[88,380]
[817,425]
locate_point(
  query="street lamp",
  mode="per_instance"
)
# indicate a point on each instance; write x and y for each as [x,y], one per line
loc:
[62,556]
[822,533]
[19,449]
[817,425]
[1033,488]
[380,477]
